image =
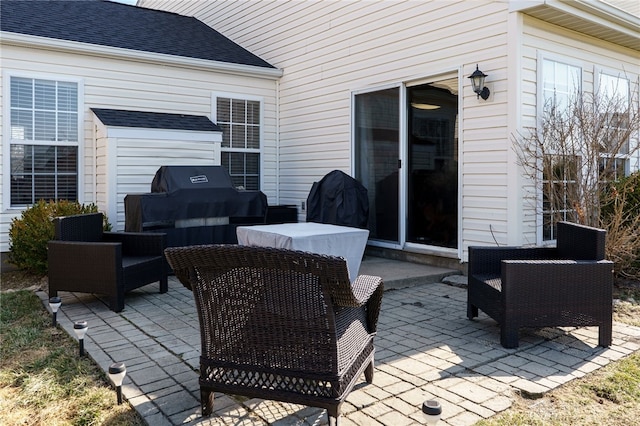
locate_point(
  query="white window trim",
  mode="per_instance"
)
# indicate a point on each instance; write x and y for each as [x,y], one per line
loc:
[541,57]
[6,135]
[246,97]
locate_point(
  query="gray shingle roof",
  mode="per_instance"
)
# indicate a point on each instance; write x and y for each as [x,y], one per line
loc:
[155,120]
[119,25]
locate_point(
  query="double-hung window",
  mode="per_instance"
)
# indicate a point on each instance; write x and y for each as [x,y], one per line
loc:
[613,110]
[560,84]
[44,136]
[241,121]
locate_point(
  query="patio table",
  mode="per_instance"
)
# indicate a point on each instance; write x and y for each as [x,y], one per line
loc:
[343,241]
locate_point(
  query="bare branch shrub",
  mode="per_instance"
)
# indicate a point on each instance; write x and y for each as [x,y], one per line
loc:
[571,158]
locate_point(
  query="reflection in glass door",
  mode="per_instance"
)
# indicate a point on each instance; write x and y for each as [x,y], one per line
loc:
[432,199]
[377,139]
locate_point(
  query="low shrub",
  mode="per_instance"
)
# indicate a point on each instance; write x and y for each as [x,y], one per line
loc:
[620,216]
[28,235]
[624,194]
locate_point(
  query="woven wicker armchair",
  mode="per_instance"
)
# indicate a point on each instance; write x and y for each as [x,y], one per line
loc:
[85,259]
[569,285]
[279,324]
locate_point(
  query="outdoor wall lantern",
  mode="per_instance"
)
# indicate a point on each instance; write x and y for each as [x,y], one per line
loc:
[431,410]
[80,328]
[477,83]
[54,304]
[117,371]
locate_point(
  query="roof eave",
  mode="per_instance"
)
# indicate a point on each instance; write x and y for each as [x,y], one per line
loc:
[25,40]
[598,14]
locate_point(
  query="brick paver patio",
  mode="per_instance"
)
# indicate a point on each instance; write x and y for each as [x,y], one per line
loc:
[426,348]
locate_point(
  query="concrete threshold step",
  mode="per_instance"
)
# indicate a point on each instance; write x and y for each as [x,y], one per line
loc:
[398,274]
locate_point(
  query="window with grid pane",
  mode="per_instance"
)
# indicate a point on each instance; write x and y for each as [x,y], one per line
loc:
[613,106]
[561,82]
[559,187]
[240,123]
[44,140]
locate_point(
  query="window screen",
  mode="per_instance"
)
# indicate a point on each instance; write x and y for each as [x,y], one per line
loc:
[44,140]
[240,123]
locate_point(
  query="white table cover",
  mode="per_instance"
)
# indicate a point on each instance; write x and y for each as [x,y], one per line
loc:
[321,238]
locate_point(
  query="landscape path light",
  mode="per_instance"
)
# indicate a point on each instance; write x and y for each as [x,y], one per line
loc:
[431,410]
[80,328]
[117,371]
[54,305]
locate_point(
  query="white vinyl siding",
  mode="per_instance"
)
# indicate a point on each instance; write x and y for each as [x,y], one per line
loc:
[328,50]
[331,49]
[130,85]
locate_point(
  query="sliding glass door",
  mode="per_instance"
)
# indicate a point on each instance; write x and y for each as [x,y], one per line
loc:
[406,154]
[377,144]
[432,166]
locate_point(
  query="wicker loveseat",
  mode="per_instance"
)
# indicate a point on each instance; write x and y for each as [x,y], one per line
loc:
[279,324]
[85,259]
[567,285]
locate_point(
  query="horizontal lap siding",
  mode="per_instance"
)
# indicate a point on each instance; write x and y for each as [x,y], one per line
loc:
[329,49]
[120,84]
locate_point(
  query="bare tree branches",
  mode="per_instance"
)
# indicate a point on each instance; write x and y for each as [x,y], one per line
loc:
[573,156]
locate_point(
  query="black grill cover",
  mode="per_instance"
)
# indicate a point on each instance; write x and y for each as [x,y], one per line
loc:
[203,194]
[338,199]
[172,179]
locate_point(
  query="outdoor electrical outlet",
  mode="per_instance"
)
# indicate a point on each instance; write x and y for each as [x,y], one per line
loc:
[303,205]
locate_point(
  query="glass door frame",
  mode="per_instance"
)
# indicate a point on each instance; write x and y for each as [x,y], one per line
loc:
[422,248]
[403,153]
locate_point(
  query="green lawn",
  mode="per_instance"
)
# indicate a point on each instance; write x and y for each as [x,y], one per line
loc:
[43,381]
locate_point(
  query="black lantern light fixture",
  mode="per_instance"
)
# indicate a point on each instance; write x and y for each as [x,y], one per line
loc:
[80,328]
[477,83]
[54,304]
[117,371]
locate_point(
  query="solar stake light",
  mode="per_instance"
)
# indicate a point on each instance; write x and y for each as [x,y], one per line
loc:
[80,328]
[54,305]
[117,371]
[431,410]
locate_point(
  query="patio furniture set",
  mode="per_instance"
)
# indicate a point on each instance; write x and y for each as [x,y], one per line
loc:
[285,316]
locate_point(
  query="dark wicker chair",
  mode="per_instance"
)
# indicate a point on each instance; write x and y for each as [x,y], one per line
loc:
[85,259]
[279,324]
[567,285]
